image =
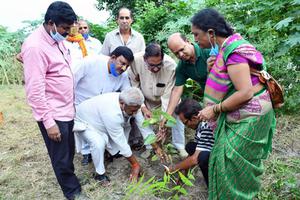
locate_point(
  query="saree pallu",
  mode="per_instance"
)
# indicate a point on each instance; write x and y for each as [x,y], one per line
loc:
[236,160]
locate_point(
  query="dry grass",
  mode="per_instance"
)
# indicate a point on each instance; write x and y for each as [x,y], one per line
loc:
[26,172]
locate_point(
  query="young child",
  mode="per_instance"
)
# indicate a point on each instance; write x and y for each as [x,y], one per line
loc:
[199,150]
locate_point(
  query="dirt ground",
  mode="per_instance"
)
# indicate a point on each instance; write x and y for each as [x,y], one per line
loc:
[26,173]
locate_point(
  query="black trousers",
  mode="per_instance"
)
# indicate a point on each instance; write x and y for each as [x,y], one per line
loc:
[62,155]
[203,158]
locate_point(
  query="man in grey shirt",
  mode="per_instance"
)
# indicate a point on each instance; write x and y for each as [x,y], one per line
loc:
[124,35]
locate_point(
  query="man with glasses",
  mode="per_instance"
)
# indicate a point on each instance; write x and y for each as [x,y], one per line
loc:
[81,44]
[50,91]
[154,73]
[124,35]
[192,64]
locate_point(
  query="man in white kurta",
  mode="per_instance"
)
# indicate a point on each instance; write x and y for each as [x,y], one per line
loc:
[154,73]
[107,120]
[94,77]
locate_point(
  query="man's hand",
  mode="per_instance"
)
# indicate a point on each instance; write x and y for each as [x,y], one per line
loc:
[210,62]
[162,133]
[135,171]
[54,133]
[147,113]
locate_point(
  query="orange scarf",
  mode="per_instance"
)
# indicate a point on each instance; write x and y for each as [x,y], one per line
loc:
[78,38]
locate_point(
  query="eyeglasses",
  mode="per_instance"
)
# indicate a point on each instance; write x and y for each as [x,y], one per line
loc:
[122,17]
[85,27]
[185,121]
[159,65]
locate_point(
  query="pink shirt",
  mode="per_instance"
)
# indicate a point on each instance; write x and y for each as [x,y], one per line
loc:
[48,78]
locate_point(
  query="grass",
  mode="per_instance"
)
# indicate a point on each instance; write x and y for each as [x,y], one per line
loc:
[26,172]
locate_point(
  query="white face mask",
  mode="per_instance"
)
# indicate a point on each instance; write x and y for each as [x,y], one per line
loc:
[56,36]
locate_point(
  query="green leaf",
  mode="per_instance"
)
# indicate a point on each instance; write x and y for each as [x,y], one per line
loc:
[293,40]
[154,158]
[168,117]
[284,23]
[150,139]
[185,180]
[170,124]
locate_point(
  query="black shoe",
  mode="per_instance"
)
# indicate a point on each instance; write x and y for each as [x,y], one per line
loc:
[102,179]
[87,158]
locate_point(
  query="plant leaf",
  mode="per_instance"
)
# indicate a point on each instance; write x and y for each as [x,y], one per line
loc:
[150,139]
[284,23]
[185,180]
[154,158]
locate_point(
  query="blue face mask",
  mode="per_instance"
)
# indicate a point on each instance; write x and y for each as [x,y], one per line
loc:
[85,35]
[56,36]
[113,69]
[214,48]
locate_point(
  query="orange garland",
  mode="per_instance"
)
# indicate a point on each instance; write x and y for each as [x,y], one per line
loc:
[78,38]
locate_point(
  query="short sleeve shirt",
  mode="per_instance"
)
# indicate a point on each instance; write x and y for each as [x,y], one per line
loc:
[197,71]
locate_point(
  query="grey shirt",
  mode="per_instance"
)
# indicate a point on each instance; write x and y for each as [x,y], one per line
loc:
[114,39]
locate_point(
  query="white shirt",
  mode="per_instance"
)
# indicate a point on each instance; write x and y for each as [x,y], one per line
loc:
[93,47]
[92,78]
[104,113]
[114,39]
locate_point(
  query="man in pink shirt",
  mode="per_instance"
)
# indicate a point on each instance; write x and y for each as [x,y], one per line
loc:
[49,91]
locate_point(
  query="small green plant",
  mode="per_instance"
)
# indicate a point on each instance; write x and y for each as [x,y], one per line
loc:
[171,186]
[157,115]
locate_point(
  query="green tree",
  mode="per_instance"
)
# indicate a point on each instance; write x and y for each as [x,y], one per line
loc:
[114,6]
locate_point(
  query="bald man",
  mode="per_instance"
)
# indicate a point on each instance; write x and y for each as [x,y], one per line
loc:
[192,64]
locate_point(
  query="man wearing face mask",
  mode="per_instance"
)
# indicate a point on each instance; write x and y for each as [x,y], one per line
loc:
[124,35]
[98,75]
[107,119]
[49,91]
[192,64]
[153,72]
[81,44]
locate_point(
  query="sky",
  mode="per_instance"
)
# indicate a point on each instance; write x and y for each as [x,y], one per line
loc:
[13,12]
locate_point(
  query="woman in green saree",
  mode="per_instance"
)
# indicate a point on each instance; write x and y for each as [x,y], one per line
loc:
[238,107]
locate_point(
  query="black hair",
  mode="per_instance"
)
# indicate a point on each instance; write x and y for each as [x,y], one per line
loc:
[211,19]
[189,108]
[130,12]
[153,49]
[60,12]
[123,51]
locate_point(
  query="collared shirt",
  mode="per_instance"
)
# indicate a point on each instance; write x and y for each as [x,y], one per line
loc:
[48,78]
[156,87]
[92,78]
[197,72]
[114,39]
[93,47]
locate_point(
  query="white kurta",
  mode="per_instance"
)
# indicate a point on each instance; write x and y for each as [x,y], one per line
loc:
[107,127]
[92,78]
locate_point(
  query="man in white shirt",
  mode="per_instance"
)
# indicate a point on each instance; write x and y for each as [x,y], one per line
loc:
[106,118]
[98,75]
[80,44]
[153,72]
[124,35]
